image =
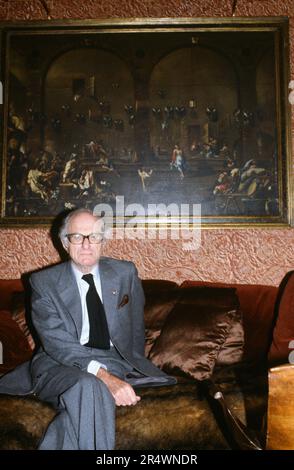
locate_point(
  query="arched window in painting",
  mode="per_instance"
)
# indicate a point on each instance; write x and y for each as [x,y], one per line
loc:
[193,94]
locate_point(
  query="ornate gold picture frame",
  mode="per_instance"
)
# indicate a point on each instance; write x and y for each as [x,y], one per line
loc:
[147,113]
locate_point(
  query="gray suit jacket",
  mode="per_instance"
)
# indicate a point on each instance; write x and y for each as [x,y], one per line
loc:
[57,317]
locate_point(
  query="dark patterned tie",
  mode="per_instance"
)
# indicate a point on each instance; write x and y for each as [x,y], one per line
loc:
[98,332]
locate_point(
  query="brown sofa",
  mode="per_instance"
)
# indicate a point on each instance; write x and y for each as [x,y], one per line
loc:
[193,332]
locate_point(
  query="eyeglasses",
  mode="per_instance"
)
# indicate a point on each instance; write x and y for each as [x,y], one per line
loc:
[79,238]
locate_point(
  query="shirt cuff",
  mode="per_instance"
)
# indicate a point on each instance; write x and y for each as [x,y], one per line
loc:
[94,366]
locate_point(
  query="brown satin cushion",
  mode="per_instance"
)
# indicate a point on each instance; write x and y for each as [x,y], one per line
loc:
[283,331]
[160,298]
[14,344]
[18,314]
[150,338]
[232,350]
[195,331]
[257,304]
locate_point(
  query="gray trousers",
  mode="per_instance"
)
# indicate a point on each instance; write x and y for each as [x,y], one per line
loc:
[86,408]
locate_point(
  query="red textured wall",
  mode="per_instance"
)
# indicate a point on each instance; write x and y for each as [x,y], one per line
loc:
[247,255]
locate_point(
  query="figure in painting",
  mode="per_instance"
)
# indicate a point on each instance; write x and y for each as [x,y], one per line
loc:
[70,169]
[144,173]
[177,160]
[86,182]
[42,183]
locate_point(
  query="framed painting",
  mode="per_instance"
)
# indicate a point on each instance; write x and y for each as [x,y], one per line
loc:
[144,116]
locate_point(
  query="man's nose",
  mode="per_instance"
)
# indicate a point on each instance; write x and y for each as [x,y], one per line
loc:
[86,242]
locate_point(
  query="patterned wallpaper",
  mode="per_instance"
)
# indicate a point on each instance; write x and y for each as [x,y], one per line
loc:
[231,255]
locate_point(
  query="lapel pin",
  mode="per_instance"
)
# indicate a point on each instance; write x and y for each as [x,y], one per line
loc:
[114,292]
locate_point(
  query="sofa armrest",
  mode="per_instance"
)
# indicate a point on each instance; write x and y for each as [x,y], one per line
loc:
[280,415]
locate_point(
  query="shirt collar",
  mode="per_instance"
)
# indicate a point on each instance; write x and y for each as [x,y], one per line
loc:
[78,274]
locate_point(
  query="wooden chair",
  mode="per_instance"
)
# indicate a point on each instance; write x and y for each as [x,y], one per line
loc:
[280,415]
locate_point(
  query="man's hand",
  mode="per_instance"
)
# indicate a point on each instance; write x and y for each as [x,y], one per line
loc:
[122,392]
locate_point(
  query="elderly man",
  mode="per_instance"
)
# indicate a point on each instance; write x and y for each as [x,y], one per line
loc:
[88,313]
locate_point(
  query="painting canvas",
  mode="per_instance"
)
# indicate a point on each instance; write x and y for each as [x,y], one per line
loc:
[148,113]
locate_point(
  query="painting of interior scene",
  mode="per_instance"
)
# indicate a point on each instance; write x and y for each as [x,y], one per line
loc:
[185,117]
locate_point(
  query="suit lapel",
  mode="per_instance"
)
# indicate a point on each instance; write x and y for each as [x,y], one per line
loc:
[69,293]
[110,291]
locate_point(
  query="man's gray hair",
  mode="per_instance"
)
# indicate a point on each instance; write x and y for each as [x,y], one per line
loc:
[63,231]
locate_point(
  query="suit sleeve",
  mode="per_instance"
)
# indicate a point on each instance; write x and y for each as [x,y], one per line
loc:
[58,341]
[138,301]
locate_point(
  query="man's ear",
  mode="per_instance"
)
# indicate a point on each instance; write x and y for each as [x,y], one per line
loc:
[65,246]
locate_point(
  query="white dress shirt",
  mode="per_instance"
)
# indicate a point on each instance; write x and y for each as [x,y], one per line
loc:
[83,286]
